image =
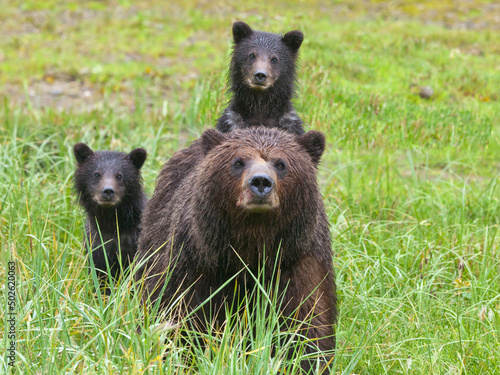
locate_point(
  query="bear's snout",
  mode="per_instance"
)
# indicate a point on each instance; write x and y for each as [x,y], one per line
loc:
[108,192]
[260,76]
[258,192]
[261,184]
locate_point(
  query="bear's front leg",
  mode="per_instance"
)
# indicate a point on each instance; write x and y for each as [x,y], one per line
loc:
[310,304]
[230,120]
[292,122]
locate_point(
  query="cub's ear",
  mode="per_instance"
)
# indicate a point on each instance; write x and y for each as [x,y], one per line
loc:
[210,139]
[138,157]
[314,143]
[82,152]
[293,40]
[241,31]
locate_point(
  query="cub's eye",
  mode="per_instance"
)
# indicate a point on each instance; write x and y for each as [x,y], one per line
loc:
[97,174]
[119,176]
[280,165]
[274,60]
[252,56]
[238,163]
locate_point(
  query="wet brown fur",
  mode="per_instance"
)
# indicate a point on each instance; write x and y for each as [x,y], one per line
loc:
[112,225]
[204,232]
[262,103]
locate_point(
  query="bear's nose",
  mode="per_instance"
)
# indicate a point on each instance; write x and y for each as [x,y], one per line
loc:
[108,192]
[260,76]
[261,184]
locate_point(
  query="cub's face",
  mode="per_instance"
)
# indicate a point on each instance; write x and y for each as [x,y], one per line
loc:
[105,177]
[261,58]
[106,180]
[259,63]
[260,170]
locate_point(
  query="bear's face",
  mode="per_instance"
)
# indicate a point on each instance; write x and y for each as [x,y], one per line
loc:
[258,175]
[105,177]
[261,58]
[260,170]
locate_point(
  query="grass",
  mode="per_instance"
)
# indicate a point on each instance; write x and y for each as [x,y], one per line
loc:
[410,185]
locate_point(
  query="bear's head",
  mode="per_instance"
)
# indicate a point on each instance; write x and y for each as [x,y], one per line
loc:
[260,59]
[107,178]
[260,171]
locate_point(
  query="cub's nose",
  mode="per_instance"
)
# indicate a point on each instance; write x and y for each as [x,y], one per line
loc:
[108,192]
[260,76]
[261,184]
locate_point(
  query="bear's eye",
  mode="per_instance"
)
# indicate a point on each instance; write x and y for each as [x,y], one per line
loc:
[252,56]
[274,60]
[238,163]
[280,165]
[97,174]
[119,176]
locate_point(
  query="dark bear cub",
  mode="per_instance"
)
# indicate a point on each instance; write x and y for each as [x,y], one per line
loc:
[262,80]
[243,200]
[109,187]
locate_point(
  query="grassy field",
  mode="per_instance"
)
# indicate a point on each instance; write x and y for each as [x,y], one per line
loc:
[410,184]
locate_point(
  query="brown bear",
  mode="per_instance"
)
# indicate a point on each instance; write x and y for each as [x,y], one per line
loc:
[262,78]
[224,202]
[109,188]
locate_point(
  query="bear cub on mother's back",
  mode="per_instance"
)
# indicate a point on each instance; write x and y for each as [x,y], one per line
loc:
[242,199]
[109,188]
[262,80]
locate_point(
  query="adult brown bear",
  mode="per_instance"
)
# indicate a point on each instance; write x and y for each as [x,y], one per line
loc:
[218,204]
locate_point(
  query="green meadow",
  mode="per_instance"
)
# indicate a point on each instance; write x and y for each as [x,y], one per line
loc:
[410,184]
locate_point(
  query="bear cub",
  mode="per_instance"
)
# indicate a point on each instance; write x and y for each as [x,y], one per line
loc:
[262,80]
[109,188]
[242,200]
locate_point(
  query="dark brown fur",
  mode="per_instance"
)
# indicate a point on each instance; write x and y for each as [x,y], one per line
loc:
[262,78]
[204,212]
[109,188]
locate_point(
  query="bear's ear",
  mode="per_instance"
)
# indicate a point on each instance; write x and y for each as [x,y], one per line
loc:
[210,139]
[82,152]
[314,143]
[138,157]
[241,31]
[293,39]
